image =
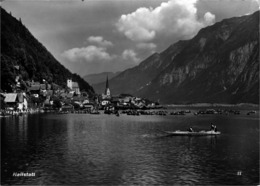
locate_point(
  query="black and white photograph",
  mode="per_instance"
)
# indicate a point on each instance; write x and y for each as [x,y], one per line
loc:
[129,92]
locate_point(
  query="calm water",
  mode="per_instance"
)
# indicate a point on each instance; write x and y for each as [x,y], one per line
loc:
[76,149]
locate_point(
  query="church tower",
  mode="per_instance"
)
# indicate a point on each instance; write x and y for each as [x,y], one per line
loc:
[69,83]
[107,91]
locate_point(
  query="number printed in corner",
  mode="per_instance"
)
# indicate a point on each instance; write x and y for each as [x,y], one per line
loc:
[239,173]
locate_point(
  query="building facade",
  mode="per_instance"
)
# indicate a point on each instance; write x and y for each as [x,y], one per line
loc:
[74,86]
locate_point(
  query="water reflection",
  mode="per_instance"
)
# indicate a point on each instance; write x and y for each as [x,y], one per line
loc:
[125,150]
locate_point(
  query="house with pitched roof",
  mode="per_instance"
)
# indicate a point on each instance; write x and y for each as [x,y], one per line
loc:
[16,100]
[35,90]
[10,100]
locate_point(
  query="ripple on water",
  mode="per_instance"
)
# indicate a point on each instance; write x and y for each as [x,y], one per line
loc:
[79,149]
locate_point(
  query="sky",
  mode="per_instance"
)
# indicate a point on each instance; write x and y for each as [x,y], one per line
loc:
[94,36]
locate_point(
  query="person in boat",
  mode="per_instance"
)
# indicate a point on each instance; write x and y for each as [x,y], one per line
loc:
[213,128]
[190,129]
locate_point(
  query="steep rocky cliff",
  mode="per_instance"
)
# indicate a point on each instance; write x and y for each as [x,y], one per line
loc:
[20,48]
[220,64]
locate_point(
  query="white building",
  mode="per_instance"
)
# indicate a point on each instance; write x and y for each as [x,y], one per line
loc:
[74,86]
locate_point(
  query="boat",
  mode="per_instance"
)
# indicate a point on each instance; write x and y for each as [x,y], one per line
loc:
[187,133]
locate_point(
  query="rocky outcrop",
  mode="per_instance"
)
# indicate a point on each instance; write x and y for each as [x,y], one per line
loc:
[220,64]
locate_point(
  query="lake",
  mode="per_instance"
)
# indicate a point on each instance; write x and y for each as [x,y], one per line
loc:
[83,149]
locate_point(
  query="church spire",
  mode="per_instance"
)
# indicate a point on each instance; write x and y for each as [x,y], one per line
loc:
[107,91]
[107,85]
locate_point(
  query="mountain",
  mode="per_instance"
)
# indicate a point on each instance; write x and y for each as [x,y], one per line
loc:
[100,77]
[132,80]
[20,48]
[219,65]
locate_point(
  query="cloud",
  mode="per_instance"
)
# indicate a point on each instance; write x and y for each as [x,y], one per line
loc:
[98,40]
[258,2]
[146,46]
[223,9]
[88,54]
[209,18]
[129,54]
[96,52]
[177,18]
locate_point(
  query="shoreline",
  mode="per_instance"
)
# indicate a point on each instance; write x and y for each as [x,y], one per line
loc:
[213,105]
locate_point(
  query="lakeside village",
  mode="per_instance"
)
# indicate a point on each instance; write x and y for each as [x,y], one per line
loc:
[34,97]
[31,97]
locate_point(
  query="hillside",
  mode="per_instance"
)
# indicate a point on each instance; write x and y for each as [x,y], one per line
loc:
[20,48]
[132,80]
[220,64]
[99,77]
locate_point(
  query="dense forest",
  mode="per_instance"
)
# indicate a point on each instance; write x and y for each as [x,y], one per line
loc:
[19,48]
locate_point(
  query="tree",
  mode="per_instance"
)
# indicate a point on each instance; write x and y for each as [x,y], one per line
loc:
[2,104]
[57,103]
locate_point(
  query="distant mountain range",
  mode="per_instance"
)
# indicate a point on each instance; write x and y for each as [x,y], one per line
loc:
[219,65]
[20,48]
[99,77]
